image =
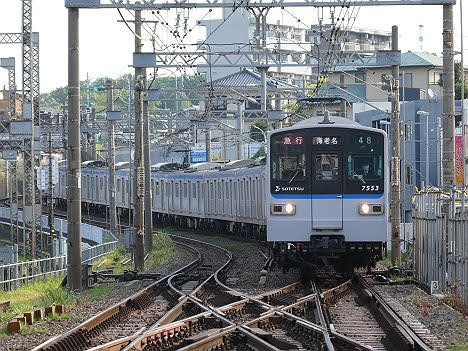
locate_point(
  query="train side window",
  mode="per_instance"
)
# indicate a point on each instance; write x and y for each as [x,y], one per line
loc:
[128,188]
[227,190]
[211,191]
[194,190]
[118,185]
[241,190]
[203,190]
[219,191]
[157,190]
[123,187]
[176,189]
[247,190]
[185,190]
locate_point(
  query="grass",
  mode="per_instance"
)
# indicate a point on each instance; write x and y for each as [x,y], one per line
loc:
[459,348]
[114,260]
[163,250]
[98,292]
[32,296]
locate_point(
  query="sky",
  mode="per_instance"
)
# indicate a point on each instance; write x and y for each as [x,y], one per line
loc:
[106,45]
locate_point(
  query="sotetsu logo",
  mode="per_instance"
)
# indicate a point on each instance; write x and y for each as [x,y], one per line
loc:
[288,188]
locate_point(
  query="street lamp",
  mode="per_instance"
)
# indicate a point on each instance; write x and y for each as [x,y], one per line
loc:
[424,113]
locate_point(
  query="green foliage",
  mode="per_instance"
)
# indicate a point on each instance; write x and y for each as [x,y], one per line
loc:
[458,83]
[34,295]
[254,133]
[56,98]
[98,292]
[163,250]
[114,260]
[260,153]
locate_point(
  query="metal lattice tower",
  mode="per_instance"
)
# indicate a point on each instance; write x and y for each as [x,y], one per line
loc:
[31,195]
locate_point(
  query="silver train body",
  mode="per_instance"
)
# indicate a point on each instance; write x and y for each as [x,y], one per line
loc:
[338,215]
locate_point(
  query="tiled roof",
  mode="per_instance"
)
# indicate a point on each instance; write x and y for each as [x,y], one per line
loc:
[408,59]
[245,78]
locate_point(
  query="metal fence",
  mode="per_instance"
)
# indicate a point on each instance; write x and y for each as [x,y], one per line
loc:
[440,224]
[18,274]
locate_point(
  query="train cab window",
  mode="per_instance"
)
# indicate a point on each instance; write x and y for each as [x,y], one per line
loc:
[365,167]
[326,167]
[288,157]
[194,190]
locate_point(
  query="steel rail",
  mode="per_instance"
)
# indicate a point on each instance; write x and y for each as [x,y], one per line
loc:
[419,343]
[112,310]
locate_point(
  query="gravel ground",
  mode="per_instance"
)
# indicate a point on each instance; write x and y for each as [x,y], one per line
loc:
[443,321]
[86,310]
[248,260]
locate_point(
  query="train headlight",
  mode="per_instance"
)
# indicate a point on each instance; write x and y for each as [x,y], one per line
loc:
[371,209]
[283,209]
[364,208]
[290,208]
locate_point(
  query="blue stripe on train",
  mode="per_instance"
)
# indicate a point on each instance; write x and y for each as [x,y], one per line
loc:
[326,196]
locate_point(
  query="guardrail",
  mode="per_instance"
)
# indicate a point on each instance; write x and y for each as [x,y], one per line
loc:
[15,275]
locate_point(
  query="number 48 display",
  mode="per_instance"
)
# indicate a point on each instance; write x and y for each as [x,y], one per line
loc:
[363,140]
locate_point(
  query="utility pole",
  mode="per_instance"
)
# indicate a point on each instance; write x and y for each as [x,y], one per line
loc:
[448,92]
[148,197]
[240,130]
[111,158]
[129,120]
[208,144]
[50,198]
[395,213]
[74,155]
[139,187]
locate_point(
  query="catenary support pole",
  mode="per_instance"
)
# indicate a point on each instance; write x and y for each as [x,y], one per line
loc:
[148,197]
[50,197]
[139,186]
[111,158]
[448,102]
[395,212]
[74,156]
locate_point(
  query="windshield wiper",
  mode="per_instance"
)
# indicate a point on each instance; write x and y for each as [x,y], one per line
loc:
[294,176]
[355,175]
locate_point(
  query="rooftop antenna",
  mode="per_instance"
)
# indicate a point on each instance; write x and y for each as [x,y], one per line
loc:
[421,38]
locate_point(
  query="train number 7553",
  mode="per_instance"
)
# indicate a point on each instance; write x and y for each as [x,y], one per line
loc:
[369,188]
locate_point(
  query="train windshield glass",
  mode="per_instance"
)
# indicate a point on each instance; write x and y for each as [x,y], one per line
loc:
[365,163]
[288,158]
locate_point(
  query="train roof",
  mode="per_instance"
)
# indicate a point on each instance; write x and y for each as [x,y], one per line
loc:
[333,121]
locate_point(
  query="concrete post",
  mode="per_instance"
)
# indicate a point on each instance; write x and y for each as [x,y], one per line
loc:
[448,116]
[148,195]
[74,156]
[395,174]
[111,159]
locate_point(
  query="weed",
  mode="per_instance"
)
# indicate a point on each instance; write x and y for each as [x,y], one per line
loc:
[163,249]
[459,348]
[114,260]
[97,292]
[33,329]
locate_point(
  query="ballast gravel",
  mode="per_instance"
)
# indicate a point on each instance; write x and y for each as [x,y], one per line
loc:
[449,325]
[84,311]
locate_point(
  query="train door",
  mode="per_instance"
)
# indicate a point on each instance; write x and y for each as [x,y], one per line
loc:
[327,190]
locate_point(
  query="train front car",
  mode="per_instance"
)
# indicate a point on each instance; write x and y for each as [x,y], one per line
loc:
[327,193]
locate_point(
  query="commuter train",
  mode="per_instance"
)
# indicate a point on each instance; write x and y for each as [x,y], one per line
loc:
[320,197]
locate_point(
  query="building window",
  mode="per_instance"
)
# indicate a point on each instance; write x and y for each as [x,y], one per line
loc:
[408,175]
[359,77]
[434,77]
[406,80]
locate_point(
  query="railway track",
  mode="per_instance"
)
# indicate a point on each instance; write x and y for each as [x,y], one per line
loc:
[138,312]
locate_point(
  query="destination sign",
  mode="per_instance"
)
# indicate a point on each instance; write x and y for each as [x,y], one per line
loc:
[326,140]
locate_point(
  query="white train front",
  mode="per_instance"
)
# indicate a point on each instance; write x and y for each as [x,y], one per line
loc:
[321,197]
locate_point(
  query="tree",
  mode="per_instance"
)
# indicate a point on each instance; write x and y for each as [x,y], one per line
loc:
[254,133]
[458,83]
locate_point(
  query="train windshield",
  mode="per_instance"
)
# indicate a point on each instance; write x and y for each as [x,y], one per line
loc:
[288,158]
